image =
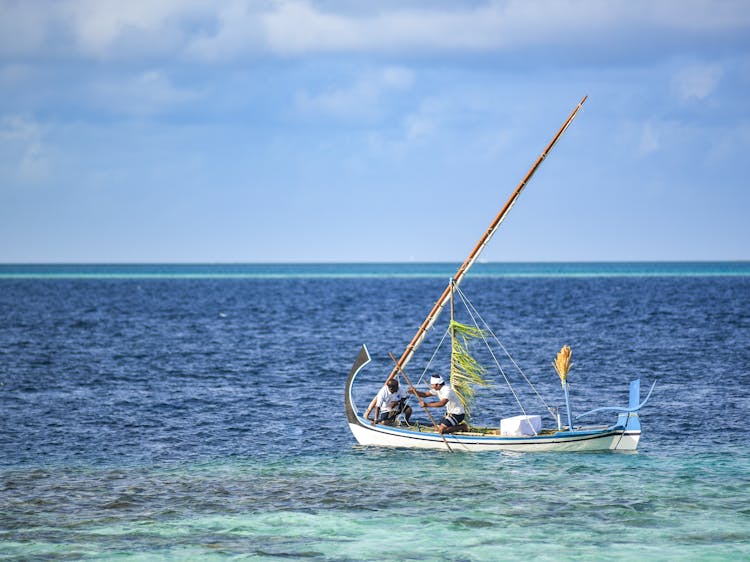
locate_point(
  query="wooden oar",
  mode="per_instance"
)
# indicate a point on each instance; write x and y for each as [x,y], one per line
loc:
[426,409]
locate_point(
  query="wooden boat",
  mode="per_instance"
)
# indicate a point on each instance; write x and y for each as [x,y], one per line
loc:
[524,433]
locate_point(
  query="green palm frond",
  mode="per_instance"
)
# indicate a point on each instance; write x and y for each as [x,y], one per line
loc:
[466,372]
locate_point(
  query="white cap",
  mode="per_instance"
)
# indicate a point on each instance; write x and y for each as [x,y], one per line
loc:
[437,380]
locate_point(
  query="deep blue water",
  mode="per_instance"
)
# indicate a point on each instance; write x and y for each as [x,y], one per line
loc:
[196,412]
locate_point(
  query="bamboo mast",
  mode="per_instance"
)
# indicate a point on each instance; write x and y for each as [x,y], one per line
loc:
[474,255]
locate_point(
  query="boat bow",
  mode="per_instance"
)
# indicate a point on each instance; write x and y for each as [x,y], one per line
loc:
[362,359]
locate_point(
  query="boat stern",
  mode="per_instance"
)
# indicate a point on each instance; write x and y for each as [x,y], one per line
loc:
[630,420]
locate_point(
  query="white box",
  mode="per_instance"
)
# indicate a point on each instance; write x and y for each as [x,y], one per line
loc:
[521,426]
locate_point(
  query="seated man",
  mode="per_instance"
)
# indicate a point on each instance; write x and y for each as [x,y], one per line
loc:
[389,403]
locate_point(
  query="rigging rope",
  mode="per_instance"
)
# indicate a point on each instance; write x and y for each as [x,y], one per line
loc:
[424,372]
[492,353]
[473,311]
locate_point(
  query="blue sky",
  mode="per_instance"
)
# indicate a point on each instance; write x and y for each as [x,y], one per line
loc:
[285,131]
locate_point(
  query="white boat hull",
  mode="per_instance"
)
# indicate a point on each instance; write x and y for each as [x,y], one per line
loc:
[610,439]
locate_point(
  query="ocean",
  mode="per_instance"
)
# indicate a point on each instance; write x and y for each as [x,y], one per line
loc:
[195,412]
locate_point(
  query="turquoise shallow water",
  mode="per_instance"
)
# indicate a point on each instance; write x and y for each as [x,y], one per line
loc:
[393,505]
[200,417]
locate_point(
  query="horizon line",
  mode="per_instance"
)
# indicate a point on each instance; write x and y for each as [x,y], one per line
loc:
[375,262]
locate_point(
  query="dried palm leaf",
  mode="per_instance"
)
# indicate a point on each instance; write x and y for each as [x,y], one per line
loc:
[562,363]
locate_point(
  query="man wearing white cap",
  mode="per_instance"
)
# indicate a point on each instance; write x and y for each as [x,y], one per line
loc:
[454,410]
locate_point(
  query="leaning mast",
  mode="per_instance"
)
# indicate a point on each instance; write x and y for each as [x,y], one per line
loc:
[475,253]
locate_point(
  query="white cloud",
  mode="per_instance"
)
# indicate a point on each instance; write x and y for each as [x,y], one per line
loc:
[22,151]
[231,29]
[425,121]
[100,29]
[111,28]
[361,98]
[146,93]
[236,31]
[298,27]
[697,82]
[649,142]
[294,27]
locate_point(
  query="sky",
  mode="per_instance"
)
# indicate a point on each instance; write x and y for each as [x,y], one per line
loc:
[344,131]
